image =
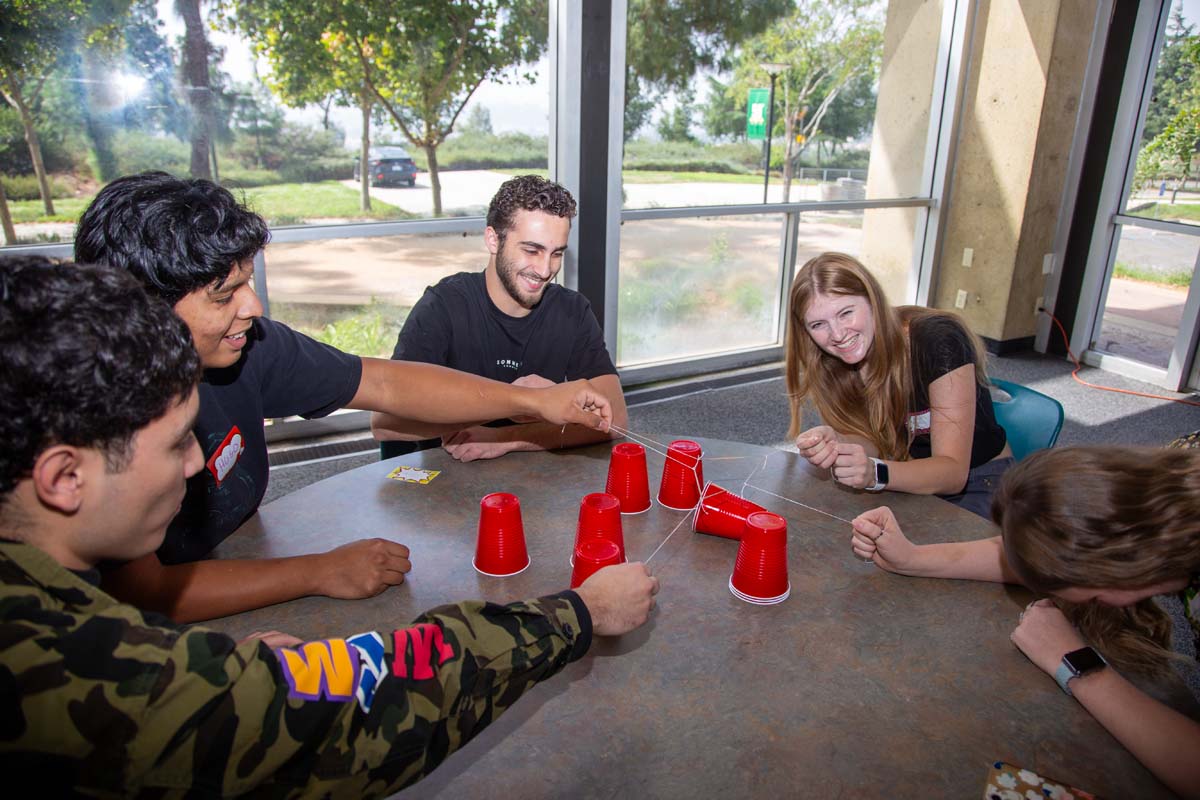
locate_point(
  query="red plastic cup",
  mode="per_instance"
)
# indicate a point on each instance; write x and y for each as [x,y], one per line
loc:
[722,513]
[760,572]
[628,480]
[683,476]
[600,518]
[500,549]
[592,555]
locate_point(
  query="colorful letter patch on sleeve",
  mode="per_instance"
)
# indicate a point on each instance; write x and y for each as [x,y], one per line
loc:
[341,670]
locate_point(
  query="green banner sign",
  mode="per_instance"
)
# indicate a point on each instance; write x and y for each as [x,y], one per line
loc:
[756,114]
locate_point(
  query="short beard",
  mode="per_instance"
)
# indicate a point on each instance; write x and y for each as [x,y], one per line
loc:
[508,280]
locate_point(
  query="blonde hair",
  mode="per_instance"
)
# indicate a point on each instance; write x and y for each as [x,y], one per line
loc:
[1105,518]
[876,407]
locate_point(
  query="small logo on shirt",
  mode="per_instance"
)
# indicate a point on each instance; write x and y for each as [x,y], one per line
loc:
[223,459]
[919,423]
[508,363]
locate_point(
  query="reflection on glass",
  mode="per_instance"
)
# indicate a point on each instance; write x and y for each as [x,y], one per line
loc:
[278,108]
[1146,295]
[851,104]
[355,293]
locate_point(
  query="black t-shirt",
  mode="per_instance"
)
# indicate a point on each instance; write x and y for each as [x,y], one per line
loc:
[940,346]
[281,373]
[455,324]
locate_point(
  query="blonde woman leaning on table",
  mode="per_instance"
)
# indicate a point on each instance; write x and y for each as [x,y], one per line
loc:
[1104,531]
[901,390]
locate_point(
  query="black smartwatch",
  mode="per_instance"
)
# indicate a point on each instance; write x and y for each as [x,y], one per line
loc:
[1076,664]
[881,475]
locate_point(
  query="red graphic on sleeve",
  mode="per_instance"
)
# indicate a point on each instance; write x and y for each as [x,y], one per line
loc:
[223,459]
[428,647]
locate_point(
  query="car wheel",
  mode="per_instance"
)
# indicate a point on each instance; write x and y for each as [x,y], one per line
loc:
[412,182]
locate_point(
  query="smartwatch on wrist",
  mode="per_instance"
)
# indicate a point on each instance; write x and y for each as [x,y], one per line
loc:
[1076,664]
[881,475]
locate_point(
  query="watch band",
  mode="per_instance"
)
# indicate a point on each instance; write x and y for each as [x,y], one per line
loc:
[1063,676]
[879,485]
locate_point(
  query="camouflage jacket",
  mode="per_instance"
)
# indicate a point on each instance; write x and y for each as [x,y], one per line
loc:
[100,699]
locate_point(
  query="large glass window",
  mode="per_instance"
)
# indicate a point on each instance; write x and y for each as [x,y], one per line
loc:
[321,113]
[833,97]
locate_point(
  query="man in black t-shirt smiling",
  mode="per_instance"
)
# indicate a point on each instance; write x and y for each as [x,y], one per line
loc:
[510,323]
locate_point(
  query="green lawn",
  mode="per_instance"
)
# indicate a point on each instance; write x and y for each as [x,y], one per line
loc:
[1185,212]
[66,209]
[281,204]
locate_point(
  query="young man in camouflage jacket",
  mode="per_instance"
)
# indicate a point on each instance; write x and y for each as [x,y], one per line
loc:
[98,397]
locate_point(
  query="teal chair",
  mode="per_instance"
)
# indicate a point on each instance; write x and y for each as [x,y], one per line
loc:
[1031,419]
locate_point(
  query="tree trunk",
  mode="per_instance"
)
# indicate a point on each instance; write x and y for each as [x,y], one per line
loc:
[434,180]
[10,232]
[789,133]
[35,145]
[102,102]
[199,91]
[364,159]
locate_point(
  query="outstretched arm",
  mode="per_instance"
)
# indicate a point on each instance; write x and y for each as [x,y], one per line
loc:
[878,537]
[202,590]
[408,392]
[480,441]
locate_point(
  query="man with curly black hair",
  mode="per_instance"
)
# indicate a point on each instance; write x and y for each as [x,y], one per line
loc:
[192,243]
[98,398]
[511,323]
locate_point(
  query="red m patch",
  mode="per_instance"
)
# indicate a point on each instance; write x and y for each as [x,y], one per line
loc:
[429,650]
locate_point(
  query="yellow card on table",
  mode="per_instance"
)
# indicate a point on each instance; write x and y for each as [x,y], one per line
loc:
[413,475]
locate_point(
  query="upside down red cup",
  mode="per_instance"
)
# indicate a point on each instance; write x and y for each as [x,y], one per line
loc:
[683,476]
[760,572]
[722,513]
[600,518]
[628,480]
[592,555]
[500,549]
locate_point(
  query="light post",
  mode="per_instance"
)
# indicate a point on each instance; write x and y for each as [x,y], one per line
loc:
[773,69]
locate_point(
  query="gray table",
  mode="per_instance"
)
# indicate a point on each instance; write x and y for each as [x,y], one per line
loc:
[861,684]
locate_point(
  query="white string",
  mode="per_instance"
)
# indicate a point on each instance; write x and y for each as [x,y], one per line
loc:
[797,502]
[669,535]
[646,441]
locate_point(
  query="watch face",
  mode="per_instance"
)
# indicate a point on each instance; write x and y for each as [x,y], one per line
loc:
[881,473]
[1083,660]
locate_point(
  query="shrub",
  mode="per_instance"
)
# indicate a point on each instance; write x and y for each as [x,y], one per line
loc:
[325,168]
[487,151]
[137,151]
[25,187]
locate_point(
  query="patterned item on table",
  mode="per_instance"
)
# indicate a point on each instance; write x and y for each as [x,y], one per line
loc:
[1007,782]
[1191,440]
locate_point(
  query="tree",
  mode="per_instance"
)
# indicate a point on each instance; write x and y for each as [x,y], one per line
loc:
[826,45]
[196,82]
[1171,154]
[1172,77]
[303,69]
[676,125]
[34,37]
[723,116]
[669,40]
[148,54]
[478,121]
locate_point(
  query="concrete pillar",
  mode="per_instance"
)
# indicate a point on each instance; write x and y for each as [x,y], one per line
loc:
[1023,92]
[1021,96]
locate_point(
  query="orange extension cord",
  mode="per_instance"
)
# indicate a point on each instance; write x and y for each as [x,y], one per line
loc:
[1078,366]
